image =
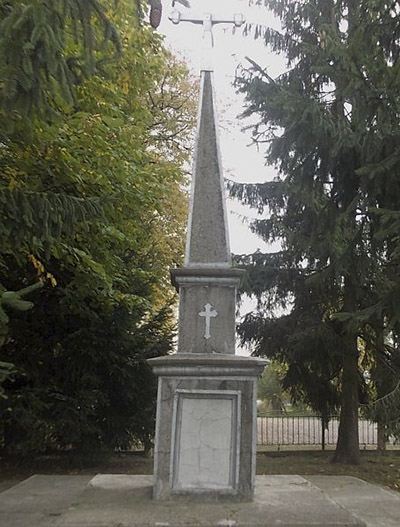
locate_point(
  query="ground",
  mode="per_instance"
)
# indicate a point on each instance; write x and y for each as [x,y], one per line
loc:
[380,468]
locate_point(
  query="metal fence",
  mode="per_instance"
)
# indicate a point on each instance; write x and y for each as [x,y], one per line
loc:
[308,430]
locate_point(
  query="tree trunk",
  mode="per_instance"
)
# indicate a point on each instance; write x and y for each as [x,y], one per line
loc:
[347,448]
[383,380]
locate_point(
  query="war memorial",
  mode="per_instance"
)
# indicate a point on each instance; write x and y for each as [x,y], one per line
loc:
[205,445]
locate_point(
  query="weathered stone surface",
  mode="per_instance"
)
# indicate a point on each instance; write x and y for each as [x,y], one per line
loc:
[208,241]
[199,288]
[194,390]
[372,504]
[205,441]
[39,500]
[189,365]
[206,409]
[202,291]
[115,500]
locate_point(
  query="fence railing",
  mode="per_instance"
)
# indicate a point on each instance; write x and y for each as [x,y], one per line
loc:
[308,430]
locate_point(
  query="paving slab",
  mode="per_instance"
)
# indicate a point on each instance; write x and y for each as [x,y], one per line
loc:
[126,501]
[39,500]
[370,503]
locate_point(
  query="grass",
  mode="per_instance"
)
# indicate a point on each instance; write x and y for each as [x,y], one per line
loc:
[380,468]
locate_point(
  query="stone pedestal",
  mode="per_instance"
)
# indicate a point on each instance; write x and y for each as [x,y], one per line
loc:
[206,426]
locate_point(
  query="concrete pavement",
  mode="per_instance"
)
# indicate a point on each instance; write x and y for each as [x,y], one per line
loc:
[125,501]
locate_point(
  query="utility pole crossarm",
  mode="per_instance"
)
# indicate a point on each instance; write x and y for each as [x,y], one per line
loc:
[208,21]
[176,17]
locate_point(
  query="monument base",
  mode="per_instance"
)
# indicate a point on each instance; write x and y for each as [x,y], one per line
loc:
[206,426]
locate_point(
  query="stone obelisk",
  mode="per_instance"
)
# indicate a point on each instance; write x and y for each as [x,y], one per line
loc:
[206,409]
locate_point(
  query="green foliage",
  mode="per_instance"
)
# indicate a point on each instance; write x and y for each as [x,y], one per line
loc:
[332,130]
[384,374]
[94,207]
[270,388]
[11,301]
[38,219]
[304,340]
[37,61]
[386,410]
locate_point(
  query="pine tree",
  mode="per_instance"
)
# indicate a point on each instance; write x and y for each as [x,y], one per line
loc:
[330,123]
[37,62]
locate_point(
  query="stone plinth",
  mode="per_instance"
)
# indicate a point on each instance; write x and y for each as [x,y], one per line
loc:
[197,289]
[206,425]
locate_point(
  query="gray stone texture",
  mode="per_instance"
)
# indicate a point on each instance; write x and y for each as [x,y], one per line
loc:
[205,443]
[197,288]
[192,328]
[207,233]
[206,408]
[218,378]
[125,501]
[40,500]
[371,503]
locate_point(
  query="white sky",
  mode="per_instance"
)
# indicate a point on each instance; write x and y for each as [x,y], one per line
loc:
[241,160]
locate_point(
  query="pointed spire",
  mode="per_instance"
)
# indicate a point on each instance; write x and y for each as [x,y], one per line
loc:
[207,240]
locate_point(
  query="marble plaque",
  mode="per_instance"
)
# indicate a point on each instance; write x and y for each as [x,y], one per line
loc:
[205,451]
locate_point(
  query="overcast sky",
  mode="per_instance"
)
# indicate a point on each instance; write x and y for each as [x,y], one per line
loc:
[241,160]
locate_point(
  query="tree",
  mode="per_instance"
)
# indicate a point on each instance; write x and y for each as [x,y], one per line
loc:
[270,388]
[82,381]
[43,78]
[38,63]
[304,340]
[384,378]
[9,301]
[330,123]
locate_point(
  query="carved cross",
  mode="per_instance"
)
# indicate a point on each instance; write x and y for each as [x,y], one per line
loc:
[209,313]
[208,21]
